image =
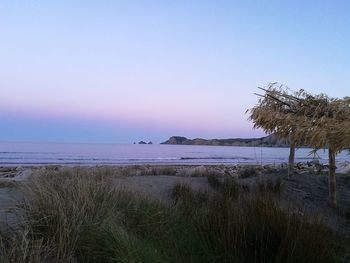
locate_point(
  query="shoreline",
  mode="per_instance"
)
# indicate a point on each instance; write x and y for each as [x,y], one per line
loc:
[70,155]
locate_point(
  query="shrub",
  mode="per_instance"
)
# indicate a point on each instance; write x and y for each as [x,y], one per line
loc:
[182,192]
[248,172]
[110,242]
[252,228]
[214,181]
[269,185]
[230,188]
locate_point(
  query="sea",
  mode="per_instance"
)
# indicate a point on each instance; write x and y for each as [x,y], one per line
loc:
[33,154]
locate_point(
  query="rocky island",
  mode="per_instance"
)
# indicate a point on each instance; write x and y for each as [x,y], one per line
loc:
[268,141]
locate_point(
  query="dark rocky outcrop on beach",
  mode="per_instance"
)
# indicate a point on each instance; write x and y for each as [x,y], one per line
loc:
[268,141]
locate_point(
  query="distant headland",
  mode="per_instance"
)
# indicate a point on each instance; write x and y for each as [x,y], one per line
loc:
[268,141]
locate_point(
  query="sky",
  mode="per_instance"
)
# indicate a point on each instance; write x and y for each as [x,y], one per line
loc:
[123,71]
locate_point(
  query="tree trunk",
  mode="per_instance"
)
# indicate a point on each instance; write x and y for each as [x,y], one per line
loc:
[291,159]
[332,179]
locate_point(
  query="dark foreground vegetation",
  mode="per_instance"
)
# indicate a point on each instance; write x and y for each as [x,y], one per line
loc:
[77,217]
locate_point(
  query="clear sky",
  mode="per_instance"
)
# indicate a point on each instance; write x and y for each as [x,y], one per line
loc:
[122,71]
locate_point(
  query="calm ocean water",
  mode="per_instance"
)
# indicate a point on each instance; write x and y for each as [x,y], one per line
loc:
[26,154]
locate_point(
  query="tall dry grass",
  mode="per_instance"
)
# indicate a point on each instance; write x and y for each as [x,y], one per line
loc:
[78,216]
[59,206]
[240,226]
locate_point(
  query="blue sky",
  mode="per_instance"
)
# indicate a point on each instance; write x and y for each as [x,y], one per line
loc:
[122,71]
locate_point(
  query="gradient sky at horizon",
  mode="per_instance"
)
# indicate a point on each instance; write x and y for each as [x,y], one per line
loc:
[123,71]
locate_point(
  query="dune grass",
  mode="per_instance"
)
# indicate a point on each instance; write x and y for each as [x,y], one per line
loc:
[75,216]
